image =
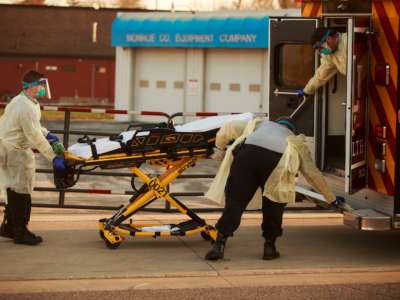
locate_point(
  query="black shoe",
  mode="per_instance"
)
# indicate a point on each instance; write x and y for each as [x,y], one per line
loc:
[6,230]
[217,250]
[270,251]
[25,237]
[20,210]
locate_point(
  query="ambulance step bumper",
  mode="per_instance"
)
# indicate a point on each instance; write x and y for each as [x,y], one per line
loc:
[367,219]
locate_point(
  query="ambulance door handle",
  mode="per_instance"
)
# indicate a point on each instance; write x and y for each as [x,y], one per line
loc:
[387,74]
[277,92]
[343,104]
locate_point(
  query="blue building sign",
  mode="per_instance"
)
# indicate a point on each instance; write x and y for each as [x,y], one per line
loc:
[193,32]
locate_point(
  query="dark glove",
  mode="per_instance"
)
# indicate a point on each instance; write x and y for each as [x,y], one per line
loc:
[59,163]
[58,148]
[52,138]
[301,93]
[338,203]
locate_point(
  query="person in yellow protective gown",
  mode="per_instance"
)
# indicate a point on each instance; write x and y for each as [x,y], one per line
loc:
[266,155]
[332,46]
[20,132]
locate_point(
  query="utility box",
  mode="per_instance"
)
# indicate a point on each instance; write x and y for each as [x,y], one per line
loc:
[346,7]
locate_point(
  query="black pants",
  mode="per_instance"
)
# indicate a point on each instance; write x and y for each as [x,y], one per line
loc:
[19,206]
[250,169]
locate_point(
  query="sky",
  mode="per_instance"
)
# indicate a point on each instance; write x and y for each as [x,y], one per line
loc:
[195,5]
[188,4]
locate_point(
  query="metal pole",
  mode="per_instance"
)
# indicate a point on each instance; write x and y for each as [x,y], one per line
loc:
[67,123]
[167,204]
[61,199]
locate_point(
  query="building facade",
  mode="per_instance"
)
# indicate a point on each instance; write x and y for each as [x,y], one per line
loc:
[183,62]
[71,45]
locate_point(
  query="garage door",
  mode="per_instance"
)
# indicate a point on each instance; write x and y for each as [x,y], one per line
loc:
[159,80]
[234,80]
[73,81]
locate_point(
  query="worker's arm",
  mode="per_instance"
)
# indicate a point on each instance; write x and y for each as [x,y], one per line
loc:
[228,133]
[314,176]
[44,130]
[33,132]
[322,75]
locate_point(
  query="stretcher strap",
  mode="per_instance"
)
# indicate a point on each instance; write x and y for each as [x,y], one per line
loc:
[124,146]
[87,140]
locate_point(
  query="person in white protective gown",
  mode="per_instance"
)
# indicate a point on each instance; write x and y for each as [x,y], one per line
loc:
[332,46]
[266,155]
[20,132]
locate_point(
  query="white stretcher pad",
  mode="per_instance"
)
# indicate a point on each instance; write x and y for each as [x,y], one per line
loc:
[105,145]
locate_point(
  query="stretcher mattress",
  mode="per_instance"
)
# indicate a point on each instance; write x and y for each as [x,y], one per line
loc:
[105,145]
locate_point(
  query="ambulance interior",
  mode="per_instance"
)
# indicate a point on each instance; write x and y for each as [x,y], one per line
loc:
[334,118]
[333,161]
[330,136]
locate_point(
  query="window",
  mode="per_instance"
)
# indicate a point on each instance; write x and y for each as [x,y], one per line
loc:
[295,65]
[51,68]
[69,68]
[144,83]
[178,85]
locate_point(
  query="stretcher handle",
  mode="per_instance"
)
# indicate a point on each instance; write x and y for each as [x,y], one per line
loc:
[171,118]
[303,101]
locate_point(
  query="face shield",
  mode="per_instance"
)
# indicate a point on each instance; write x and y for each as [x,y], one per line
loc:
[322,46]
[324,49]
[43,83]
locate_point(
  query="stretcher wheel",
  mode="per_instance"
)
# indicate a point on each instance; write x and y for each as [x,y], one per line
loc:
[112,246]
[205,236]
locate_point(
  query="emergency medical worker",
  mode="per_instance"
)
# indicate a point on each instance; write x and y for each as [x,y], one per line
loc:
[332,46]
[266,155]
[20,132]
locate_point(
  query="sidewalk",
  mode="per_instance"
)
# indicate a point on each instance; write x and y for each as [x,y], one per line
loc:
[316,251]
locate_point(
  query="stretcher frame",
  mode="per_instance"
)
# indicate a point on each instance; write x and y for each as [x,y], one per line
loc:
[112,230]
[163,146]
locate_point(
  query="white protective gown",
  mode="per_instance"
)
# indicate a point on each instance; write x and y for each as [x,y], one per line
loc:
[20,132]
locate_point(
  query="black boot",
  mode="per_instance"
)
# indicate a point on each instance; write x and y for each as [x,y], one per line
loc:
[217,250]
[23,236]
[6,228]
[20,209]
[270,251]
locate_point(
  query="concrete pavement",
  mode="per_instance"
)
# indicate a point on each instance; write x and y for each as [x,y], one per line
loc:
[320,258]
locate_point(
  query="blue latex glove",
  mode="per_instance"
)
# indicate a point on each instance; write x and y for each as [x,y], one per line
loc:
[59,163]
[339,202]
[52,138]
[301,93]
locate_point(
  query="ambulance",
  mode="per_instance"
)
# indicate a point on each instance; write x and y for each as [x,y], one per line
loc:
[256,61]
[354,119]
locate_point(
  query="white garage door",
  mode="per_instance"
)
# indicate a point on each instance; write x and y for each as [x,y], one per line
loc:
[159,80]
[234,80]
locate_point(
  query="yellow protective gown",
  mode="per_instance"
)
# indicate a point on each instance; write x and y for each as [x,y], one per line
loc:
[233,131]
[330,65]
[280,186]
[20,131]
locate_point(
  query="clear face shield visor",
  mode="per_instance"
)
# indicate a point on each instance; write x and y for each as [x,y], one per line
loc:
[44,91]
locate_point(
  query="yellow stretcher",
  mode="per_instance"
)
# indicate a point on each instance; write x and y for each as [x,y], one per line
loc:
[176,152]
